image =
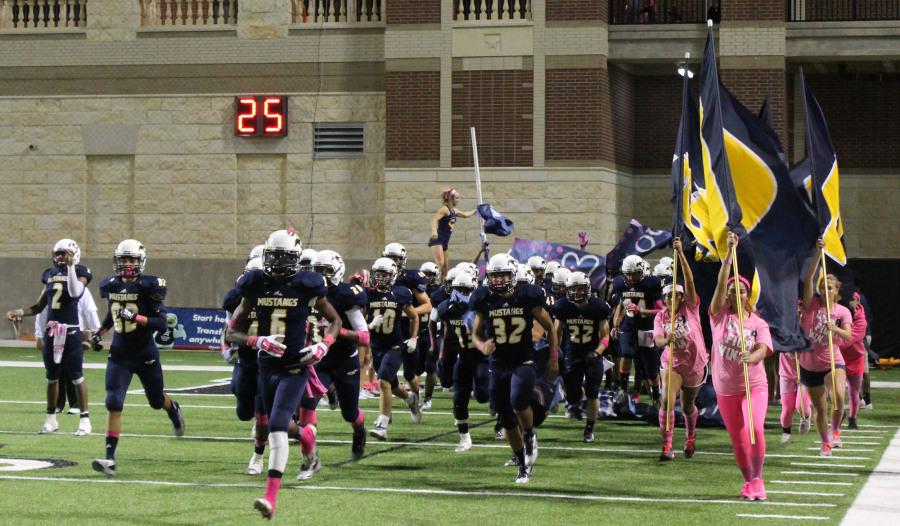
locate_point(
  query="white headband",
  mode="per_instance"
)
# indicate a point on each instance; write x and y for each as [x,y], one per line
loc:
[668,289]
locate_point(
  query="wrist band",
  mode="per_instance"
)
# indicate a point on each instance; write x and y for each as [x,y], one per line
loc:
[604,342]
[231,323]
[328,340]
[554,354]
[140,320]
[251,341]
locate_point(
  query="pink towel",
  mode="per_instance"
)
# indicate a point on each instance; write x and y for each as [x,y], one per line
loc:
[58,332]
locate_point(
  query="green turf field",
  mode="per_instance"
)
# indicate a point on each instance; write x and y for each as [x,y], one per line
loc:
[415,477]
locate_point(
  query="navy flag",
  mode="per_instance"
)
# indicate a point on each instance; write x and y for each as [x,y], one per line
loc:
[636,240]
[494,222]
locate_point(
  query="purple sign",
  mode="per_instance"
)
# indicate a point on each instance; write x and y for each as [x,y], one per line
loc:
[593,265]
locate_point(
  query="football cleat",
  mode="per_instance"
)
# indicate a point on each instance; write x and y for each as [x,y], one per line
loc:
[513,461]
[358,449]
[264,507]
[666,454]
[105,466]
[588,437]
[50,425]
[804,426]
[84,427]
[255,467]
[524,475]
[309,467]
[851,424]
[177,420]
[412,400]
[74,411]
[786,438]
[690,446]
[426,405]
[380,432]
[757,490]
[332,401]
[465,443]
[531,450]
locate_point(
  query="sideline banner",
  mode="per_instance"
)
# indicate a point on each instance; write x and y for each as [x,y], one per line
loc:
[189,328]
[593,265]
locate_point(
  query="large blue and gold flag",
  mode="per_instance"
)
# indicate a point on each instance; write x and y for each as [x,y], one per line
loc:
[824,178]
[749,191]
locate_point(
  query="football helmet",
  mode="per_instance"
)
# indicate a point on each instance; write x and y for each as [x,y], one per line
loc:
[465,283]
[329,264]
[667,261]
[129,259]
[256,252]
[578,287]
[501,273]
[384,273]
[661,270]
[397,253]
[451,275]
[647,268]
[431,271]
[253,264]
[471,268]
[633,269]
[524,275]
[307,255]
[64,245]
[550,269]
[558,285]
[281,255]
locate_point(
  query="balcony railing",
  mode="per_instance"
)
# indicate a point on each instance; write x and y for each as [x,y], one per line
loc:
[29,14]
[188,12]
[837,10]
[491,10]
[663,11]
[356,12]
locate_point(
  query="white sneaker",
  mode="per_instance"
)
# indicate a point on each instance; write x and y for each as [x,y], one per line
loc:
[255,467]
[50,425]
[804,426]
[105,466]
[74,411]
[84,427]
[412,400]
[364,394]
[379,432]
[426,405]
[465,442]
[309,467]
[524,475]
[786,438]
[531,457]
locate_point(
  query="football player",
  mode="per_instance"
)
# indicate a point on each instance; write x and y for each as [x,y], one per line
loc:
[584,331]
[63,285]
[537,264]
[504,317]
[135,312]
[427,355]
[387,303]
[282,297]
[436,330]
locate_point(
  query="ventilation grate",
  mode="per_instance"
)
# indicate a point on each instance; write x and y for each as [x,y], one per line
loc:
[339,140]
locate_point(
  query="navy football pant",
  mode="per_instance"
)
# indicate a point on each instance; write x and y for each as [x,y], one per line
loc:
[118,378]
[281,393]
[72,357]
[511,386]
[387,363]
[245,388]
[468,375]
[584,374]
[344,375]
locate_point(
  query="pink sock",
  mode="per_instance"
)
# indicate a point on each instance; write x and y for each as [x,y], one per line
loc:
[308,417]
[307,440]
[667,435]
[788,404]
[690,422]
[824,435]
[360,419]
[855,383]
[756,466]
[836,421]
[273,484]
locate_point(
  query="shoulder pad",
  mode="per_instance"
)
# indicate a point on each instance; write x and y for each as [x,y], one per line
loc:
[46,275]
[104,286]
[154,286]
[313,282]
[250,283]
[351,295]
[402,294]
[83,272]
[232,299]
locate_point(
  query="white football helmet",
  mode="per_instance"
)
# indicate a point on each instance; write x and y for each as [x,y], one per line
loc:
[384,273]
[578,287]
[558,284]
[667,261]
[501,273]
[64,245]
[524,275]
[256,252]
[550,269]
[431,271]
[307,255]
[397,253]
[537,263]
[451,275]
[129,259]
[329,264]
[281,255]
[661,270]
[465,282]
[633,269]
[647,268]
[254,264]
[471,268]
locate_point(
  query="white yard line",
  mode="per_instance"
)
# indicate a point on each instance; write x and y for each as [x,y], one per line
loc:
[806,493]
[810,483]
[193,368]
[820,473]
[879,500]
[829,464]
[425,491]
[837,451]
[792,517]
[883,384]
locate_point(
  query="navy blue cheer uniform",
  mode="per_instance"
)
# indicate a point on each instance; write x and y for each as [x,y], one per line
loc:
[444,229]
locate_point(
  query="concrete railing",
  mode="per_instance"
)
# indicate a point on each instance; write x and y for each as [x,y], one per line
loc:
[350,12]
[491,11]
[41,14]
[188,12]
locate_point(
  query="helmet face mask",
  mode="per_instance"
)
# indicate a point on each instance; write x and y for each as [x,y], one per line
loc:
[384,273]
[129,259]
[397,253]
[501,274]
[633,269]
[281,255]
[61,248]
[431,272]
[577,293]
[330,265]
[558,284]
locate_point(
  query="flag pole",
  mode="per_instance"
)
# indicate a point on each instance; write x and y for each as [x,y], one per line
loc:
[830,337]
[484,241]
[670,395]
[740,313]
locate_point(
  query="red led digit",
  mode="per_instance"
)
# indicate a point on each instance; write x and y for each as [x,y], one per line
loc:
[273,116]
[246,117]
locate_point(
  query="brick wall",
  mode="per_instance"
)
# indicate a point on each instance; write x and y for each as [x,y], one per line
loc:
[753,10]
[413,11]
[576,10]
[863,113]
[499,105]
[617,105]
[752,86]
[657,109]
[573,121]
[413,115]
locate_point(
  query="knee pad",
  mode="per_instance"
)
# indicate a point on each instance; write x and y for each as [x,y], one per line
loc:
[509,420]
[52,381]
[78,381]
[156,401]
[115,402]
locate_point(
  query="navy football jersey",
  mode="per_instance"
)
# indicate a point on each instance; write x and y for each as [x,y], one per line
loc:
[63,308]
[344,297]
[644,293]
[246,355]
[390,305]
[145,296]
[581,325]
[282,307]
[458,336]
[509,321]
[423,318]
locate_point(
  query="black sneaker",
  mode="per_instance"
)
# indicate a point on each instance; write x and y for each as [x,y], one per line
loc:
[332,401]
[359,442]
[524,475]
[105,466]
[588,436]
[852,423]
[177,420]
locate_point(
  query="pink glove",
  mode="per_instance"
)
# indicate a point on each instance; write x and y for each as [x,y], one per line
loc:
[268,344]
